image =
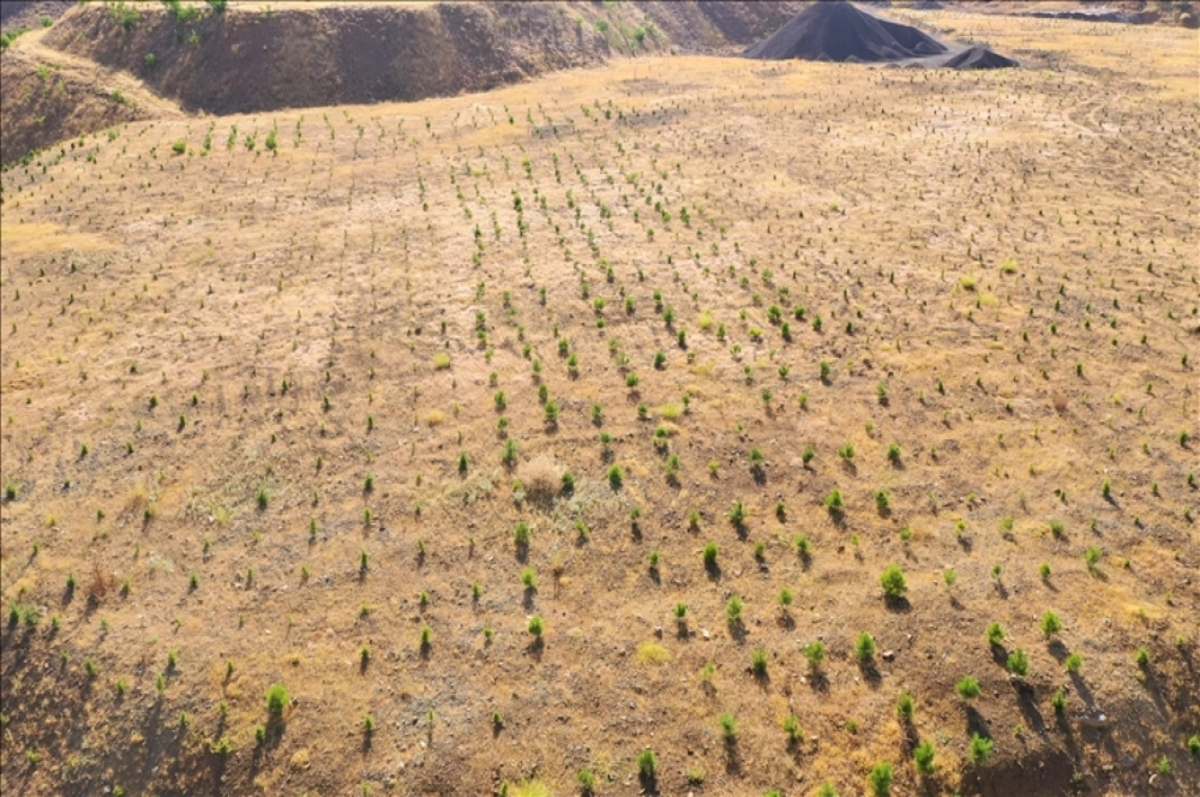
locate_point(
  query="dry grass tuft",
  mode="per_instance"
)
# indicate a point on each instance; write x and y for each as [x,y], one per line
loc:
[652,653]
[100,584]
[542,477]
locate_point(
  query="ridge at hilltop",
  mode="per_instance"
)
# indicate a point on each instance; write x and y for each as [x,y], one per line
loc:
[838,31]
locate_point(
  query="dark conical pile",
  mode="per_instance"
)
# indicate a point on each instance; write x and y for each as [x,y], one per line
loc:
[978,58]
[837,31]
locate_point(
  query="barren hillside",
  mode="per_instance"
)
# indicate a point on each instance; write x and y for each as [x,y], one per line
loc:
[53,97]
[255,57]
[672,425]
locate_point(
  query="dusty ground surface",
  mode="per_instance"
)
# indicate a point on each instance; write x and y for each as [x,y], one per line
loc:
[251,429]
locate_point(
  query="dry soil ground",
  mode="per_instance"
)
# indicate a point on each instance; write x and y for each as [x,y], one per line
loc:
[261,376]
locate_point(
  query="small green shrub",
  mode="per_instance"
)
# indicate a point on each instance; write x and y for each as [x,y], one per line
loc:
[728,728]
[537,626]
[277,699]
[967,688]
[893,581]
[815,653]
[733,610]
[791,727]
[615,477]
[980,749]
[923,756]
[881,779]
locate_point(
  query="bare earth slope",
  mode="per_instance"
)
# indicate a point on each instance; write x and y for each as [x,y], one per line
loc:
[330,54]
[259,57]
[291,397]
[50,96]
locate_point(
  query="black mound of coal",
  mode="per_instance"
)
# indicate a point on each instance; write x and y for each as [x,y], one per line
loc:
[978,58]
[835,30]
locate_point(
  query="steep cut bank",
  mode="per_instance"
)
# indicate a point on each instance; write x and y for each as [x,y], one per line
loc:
[48,96]
[244,61]
[249,60]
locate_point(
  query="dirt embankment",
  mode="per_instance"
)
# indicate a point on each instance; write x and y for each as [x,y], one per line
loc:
[63,82]
[50,97]
[250,59]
